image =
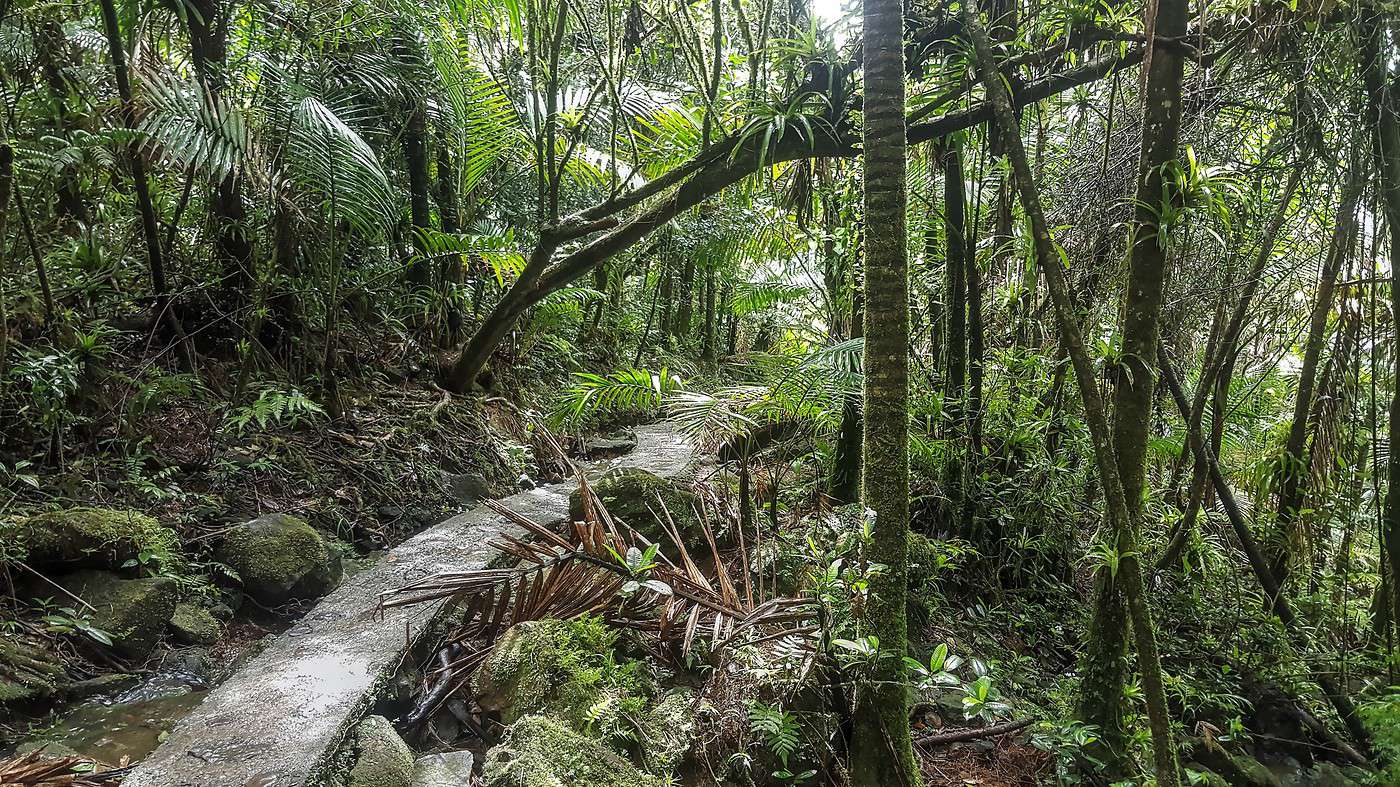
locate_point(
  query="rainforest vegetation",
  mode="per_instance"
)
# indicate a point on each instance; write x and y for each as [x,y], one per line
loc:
[1040,360]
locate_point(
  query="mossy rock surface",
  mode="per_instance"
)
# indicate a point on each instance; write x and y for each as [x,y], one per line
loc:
[566,669]
[538,751]
[133,612]
[280,558]
[194,625]
[642,500]
[667,733]
[91,538]
[28,672]
[383,760]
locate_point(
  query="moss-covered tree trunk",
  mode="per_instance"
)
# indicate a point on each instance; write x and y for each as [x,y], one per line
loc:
[1105,666]
[1120,517]
[881,752]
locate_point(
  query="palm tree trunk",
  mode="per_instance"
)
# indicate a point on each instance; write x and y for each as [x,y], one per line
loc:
[415,150]
[881,751]
[208,32]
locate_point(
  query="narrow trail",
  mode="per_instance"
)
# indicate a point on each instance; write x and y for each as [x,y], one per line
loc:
[279,721]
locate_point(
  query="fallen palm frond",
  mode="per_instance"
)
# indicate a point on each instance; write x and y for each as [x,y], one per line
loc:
[601,567]
[36,770]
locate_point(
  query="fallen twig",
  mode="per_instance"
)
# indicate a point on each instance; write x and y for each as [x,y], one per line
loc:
[943,738]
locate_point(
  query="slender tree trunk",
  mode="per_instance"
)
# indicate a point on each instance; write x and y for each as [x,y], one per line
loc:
[415,151]
[7,175]
[707,344]
[233,246]
[1260,566]
[165,310]
[955,386]
[1293,470]
[685,310]
[54,55]
[1105,672]
[1385,122]
[453,267]
[881,752]
[845,474]
[1129,571]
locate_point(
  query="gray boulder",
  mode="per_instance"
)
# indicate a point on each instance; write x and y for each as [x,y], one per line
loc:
[449,769]
[280,558]
[615,444]
[383,760]
[466,487]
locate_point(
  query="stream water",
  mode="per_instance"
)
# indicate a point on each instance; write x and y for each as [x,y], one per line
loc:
[125,725]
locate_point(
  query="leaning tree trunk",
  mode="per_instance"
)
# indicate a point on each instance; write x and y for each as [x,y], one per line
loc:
[882,754]
[1120,514]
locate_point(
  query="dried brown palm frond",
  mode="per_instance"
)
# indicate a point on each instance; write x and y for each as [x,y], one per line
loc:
[598,569]
[36,770]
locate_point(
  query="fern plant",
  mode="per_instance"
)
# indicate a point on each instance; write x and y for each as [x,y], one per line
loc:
[275,408]
[625,390]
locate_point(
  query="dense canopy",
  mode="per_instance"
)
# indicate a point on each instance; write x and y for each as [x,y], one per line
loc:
[1048,348]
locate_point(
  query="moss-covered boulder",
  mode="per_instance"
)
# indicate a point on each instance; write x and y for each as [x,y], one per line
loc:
[280,558]
[382,757]
[642,500]
[91,538]
[538,751]
[566,669]
[28,672]
[668,729]
[194,625]
[134,613]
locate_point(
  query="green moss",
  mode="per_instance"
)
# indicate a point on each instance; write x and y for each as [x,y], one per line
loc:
[384,759]
[97,537]
[538,751]
[280,557]
[193,625]
[133,612]
[27,672]
[667,731]
[567,669]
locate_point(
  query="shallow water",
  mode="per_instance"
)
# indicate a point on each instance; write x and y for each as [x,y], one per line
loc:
[130,730]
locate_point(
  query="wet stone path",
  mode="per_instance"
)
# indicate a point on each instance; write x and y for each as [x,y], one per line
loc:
[279,721]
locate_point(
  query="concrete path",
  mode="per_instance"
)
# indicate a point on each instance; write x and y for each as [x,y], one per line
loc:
[279,721]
